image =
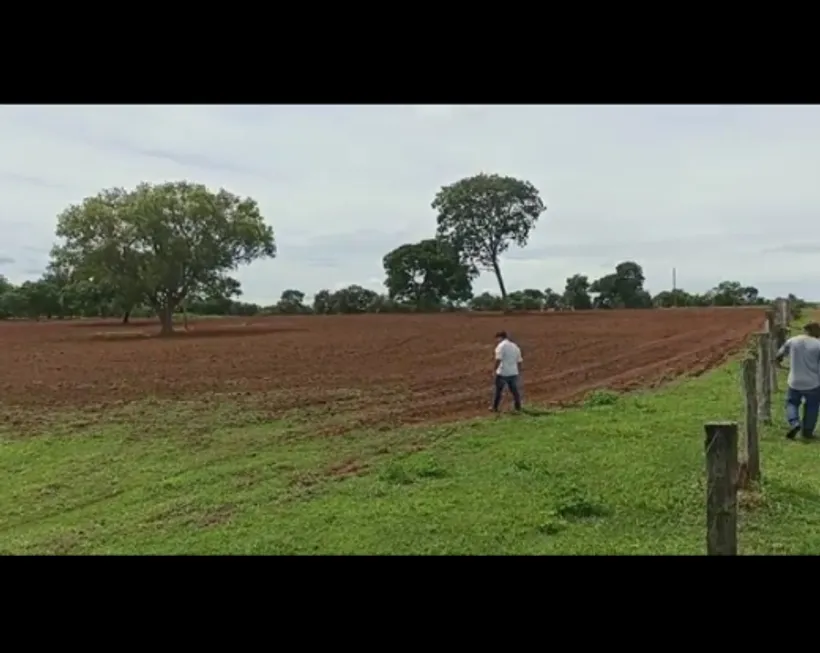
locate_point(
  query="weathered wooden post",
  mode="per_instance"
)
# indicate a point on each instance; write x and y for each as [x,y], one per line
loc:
[770,321]
[721,488]
[764,378]
[750,421]
[771,329]
[782,310]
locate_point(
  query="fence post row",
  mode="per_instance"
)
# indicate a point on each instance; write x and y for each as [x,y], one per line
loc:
[724,474]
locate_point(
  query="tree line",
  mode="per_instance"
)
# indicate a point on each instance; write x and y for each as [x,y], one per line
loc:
[161,249]
[52,297]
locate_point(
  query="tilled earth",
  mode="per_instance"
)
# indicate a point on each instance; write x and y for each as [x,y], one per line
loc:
[369,370]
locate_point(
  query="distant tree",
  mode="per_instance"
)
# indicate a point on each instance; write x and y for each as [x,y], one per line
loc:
[552,300]
[727,293]
[486,302]
[164,242]
[750,294]
[797,306]
[427,273]
[622,289]
[383,304]
[9,299]
[482,215]
[39,299]
[529,299]
[323,302]
[672,298]
[291,302]
[353,299]
[218,299]
[576,293]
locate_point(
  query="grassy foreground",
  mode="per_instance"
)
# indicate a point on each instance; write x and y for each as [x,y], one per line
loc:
[623,476]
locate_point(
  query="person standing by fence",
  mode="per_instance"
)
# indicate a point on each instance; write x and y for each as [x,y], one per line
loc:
[506,364]
[804,380]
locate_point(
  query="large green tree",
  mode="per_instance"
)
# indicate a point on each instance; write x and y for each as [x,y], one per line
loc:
[482,216]
[529,299]
[576,293]
[733,293]
[427,273]
[162,243]
[622,289]
[291,302]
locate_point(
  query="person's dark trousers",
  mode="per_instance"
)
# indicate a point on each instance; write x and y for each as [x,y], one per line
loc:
[512,383]
[811,406]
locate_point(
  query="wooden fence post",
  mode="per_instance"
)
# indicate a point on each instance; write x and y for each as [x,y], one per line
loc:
[721,488]
[750,422]
[781,335]
[782,309]
[772,353]
[770,321]
[764,378]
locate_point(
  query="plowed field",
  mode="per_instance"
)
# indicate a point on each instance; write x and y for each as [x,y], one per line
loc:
[371,369]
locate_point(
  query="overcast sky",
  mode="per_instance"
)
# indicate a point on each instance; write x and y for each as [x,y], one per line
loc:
[719,192]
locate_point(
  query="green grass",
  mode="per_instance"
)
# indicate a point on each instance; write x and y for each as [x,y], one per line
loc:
[623,475]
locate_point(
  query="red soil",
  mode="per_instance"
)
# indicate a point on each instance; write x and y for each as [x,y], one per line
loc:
[370,369]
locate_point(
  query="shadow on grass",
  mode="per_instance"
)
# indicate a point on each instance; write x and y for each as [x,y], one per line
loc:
[795,494]
[538,412]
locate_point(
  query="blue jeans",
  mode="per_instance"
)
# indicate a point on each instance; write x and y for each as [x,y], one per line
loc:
[811,406]
[512,383]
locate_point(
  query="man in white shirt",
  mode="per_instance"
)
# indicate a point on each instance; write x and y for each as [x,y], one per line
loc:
[506,367]
[804,380]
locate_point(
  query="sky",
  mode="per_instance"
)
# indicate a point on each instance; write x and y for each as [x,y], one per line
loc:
[719,192]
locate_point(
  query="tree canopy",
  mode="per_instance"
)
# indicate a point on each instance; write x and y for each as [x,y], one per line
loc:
[427,273]
[161,244]
[622,289]
[482,216]
[576,292]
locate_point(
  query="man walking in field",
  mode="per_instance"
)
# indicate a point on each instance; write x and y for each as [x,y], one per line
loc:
[804,380]
[507,366]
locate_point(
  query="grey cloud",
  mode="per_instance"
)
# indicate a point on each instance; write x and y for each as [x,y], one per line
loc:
[362,246]
[189,159]
[793,248]
[6,260]
[608,247]
[29,180]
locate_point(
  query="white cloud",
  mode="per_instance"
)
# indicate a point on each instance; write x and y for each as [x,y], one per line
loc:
[715,191]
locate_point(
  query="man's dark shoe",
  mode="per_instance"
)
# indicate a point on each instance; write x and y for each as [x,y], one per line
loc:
[809,436]
[791,434]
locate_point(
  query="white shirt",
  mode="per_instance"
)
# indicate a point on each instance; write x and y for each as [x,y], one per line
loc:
[804,362]
[508,356]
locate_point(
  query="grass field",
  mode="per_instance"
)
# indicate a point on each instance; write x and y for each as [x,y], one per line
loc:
[624,475]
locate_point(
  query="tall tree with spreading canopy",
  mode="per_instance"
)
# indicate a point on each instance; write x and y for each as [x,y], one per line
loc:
[162,242]
[576,293]
[291,302]
[428,273]
[482,216]
[623,289]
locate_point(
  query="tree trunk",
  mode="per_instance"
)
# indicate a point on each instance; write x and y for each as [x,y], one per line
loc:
[166,318]
[126,316]
[501,287]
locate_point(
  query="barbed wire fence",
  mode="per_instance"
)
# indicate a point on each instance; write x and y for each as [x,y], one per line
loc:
[732,461]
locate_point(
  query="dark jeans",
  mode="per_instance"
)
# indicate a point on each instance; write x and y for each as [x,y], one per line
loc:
[811,405]
[512,383]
